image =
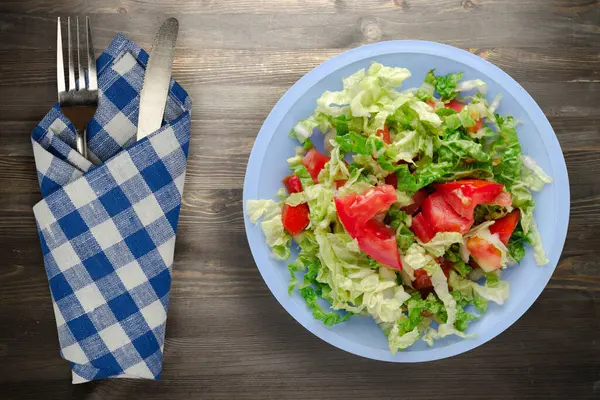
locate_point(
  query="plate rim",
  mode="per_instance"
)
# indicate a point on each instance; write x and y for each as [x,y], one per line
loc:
[508,85]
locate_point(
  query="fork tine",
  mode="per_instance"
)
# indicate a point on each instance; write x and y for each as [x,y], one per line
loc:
[70,48]
[60,69]
[81,77]
[92,79]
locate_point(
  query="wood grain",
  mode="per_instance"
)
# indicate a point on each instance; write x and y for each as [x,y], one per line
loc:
[284,67]
[227,337]
[319,31]
[211,7]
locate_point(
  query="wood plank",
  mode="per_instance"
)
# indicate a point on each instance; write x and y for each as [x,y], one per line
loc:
[295,6]
[284,67]
[269,362]
[318,31]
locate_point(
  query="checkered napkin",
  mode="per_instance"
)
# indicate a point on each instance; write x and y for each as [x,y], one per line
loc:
[108,231]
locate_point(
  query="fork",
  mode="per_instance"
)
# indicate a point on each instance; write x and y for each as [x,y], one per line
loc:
[79,102]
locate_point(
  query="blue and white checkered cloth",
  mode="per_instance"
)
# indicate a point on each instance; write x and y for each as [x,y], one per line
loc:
[108,231]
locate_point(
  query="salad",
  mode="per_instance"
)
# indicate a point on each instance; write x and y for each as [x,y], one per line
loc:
[418,202]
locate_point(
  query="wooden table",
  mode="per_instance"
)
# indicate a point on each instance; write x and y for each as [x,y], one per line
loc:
[227,337]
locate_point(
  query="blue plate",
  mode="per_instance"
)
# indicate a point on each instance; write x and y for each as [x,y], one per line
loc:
[267,166]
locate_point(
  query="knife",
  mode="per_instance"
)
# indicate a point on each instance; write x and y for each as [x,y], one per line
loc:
[157,79]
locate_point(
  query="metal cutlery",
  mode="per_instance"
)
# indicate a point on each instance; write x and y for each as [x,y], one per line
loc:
[80,101]
[157,79]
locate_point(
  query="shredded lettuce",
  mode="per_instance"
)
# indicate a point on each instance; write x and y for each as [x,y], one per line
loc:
[442,242]
[355,286]
[534,177]
[276,237]
[497,292]
[445,85]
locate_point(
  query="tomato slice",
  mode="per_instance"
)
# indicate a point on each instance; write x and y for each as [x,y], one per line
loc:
[315,161]
[384,134]
[392,179]
[422,229]
[487,256]
[455,105]
[465,194]
[379,241]
[292,183]
[354,210]
[505,226]
[295,218]
[475,128]
[340,183]
[446,267]
[442,217]
[417,199]
[422,280]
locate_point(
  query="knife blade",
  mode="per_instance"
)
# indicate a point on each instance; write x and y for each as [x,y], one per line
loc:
[157,79]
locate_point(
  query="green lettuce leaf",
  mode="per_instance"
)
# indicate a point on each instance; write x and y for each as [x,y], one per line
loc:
[406,180]
[328,318]
[401,222]
[321,205]
[353,142]
[276,237]
[441,242]
[335,169]
[304,128]
[507,149]
[536,242]
[355,285]
[498,293]
[454,148]
[364,93]
[398,341]
[460,119]
[446,85]
[478,84]
[534,176]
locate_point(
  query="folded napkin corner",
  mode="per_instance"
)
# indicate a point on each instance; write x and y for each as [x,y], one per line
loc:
[107,232]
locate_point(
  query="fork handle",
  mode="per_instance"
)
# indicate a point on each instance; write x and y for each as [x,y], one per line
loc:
[82,142]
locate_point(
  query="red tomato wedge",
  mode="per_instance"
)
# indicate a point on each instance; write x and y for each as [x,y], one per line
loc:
[379,241]
[292,184]
[314,161]
[384,134]
[422,280]
[466,194]
[487,256]
[504,199]
[295,218]
[442,217]
[392,179]
[422,229]
[354,210]
[340,183]
[505,226]
[446,267]
[417,199]
[455,105]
